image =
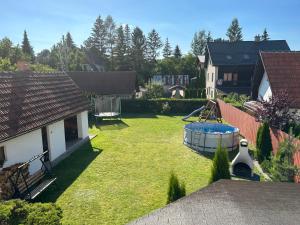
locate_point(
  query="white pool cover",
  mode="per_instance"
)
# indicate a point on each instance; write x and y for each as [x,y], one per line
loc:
[207,136]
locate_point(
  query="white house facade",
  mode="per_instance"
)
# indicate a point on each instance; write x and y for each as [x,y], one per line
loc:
[264,90]
[211,78]
[276,72]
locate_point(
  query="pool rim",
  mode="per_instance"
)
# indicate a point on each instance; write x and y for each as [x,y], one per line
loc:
[215,133]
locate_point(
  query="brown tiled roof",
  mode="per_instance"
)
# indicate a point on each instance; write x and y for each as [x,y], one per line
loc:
[106,83]
[283,70]
[31,100]
[232,202]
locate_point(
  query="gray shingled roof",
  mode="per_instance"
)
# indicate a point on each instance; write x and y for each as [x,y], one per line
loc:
[232,202]
[106,83]
[242,52]
[31,100]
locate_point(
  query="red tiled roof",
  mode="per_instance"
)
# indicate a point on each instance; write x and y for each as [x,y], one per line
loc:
[106,83]
[283,70]
[30,100]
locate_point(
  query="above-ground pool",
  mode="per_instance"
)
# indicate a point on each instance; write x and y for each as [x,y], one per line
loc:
[207,136]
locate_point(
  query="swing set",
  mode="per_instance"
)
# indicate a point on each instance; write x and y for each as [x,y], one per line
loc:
[29,187]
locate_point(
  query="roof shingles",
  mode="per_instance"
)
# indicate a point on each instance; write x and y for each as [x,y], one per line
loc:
[106,83]
[232,202]
[29,101]
[242,52]
[283,70]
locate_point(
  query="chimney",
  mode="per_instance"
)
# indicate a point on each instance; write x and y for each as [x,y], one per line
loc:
[23,66]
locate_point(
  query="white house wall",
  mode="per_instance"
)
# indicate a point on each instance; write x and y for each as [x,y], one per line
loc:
[56,139]
[211,84]
[23,148]
[264,91]
[83,124]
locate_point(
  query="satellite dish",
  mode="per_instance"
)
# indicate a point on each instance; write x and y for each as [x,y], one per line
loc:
[219,82]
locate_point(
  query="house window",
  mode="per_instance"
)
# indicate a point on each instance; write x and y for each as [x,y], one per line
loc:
[2,156]
[227,76]
[212,77]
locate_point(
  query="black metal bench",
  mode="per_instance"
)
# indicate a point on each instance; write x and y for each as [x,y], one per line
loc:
[29,187]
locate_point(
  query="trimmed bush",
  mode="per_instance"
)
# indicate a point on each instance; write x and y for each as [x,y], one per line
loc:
[283,168]
[154,91]
[220,167]
[258,136]
[176,106]
[264,143]
[22,212]
[176,190]
[266,165]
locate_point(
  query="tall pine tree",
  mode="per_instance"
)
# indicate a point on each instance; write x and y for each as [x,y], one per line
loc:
[167,50]
[138,53]
[26,47]
[69,41]
[127,39]
[199,42]
[120,50]
[234,32]
[177,52]
[153,45]
[98,36]
[265,36]
[110,27]
[138,48]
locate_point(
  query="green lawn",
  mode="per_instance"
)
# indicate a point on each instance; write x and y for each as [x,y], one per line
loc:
[123,174]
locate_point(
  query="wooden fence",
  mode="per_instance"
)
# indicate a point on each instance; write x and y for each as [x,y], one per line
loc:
[248,127]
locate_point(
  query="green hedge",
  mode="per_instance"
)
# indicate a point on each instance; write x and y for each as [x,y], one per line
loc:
[176,106]
[195,93]
[21,212]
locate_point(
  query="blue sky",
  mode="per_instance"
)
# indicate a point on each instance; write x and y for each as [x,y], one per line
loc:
[46,20]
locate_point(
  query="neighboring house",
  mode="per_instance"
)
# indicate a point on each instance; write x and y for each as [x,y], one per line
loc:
[233,202]
[277,71]
[168,81]
[111,84]
[230,65]
[40,112]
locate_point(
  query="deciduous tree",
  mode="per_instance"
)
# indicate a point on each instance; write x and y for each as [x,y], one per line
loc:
[276,110]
